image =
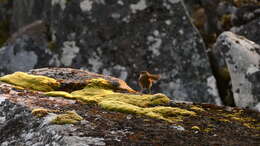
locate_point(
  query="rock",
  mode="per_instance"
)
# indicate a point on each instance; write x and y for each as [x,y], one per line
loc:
[6,13]
[26,49]
[245,14]
[25,12]
[242,57]
[26,116]
[249,30]
[122,38]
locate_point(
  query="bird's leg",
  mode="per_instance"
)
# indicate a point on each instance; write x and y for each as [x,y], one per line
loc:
[142,90]
[149,90]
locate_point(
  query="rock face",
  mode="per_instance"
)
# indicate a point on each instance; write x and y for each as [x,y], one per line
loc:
[119,38]
[19,127]
[250,30]
[242,57]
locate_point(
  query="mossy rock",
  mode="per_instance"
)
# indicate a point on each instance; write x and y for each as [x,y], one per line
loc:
[169,114]
[100,91]
[70,117]
[40,112]
[34,82]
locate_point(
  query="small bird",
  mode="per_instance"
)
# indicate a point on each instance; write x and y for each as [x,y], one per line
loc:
[146,80]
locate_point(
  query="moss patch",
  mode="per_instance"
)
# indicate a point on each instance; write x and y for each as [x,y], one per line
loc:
[169,114]
[59,93]
[197,108]
[101,92]
[239,116]
[34,82]
[70,117]
[99,83]
[195,128]
[40,112]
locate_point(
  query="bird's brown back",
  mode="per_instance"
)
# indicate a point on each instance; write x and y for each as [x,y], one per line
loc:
[146,79]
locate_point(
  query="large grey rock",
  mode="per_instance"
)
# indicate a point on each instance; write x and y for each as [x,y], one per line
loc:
[122,38]
[242,57]
[250,30]
[5,15]
[26,49]
[19,127]
[25,12]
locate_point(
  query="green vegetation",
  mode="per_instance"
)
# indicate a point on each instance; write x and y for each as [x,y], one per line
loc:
[34,82]
[40,112]
[70,117]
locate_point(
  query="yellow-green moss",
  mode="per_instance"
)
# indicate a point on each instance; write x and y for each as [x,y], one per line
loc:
[99,83]
[169,114]
[40,112]
[35,82]
[238,117]
[197,108]
[100,91]
[89,94]
[195,128]
[59,93]
[207,130]
[224,120]
[70,117]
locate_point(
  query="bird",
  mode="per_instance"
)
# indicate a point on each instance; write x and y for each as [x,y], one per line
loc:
[146,80]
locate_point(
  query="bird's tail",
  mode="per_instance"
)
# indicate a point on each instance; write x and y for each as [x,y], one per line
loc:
[154,77]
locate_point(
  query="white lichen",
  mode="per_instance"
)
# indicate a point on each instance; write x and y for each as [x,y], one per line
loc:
[122,70]
[174,1]
[86,5]
[168,22]
[115,15]
[251,69]
[181,32]
[95,62]
[154,43]
[141,5]
[69,52]
[120,2]
[62,3]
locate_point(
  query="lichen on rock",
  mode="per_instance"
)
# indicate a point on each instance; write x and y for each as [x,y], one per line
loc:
[40,112]
[34,82]
[70,117]
[59,93]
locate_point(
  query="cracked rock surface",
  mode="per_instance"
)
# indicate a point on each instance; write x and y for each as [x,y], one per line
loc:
[114,37]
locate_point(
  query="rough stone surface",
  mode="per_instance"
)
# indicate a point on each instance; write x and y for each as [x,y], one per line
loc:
[19,127]
[26,49]
[242,57]
[211,125]
[250,30]
[122,38]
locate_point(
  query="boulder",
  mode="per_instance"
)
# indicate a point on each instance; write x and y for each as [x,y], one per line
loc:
[242,58]
[249,30]
[6,12]
[122,38]
[26,49]
[108,112]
